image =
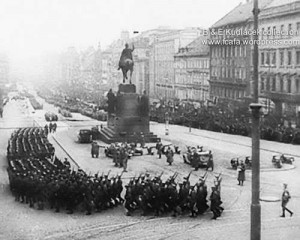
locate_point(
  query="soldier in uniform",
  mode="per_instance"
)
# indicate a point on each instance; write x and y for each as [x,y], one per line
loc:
[215,203]
[129,201]
[159,147]
[285,197]
[95,150]
[124,158]
[210,162]
[193,202]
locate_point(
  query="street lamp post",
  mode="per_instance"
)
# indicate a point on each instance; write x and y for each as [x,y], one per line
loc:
[255,108]
[255,204]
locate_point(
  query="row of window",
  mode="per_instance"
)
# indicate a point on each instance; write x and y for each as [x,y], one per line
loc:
[286,57]
[283,31]
[189,80]
[229,72]
[228,92]
[165,48]
[229,51]
[199,63]
[269,84]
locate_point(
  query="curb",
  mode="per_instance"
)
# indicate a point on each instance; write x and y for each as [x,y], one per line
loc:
[270,199]
[286,168]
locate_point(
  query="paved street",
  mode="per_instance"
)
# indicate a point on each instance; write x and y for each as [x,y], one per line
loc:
[18,221]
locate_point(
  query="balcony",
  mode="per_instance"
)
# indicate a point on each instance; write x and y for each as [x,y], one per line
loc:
[284,97]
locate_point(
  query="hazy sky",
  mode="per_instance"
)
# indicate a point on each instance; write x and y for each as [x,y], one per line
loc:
[31,28]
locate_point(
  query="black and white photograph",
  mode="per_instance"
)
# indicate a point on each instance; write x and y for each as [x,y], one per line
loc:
[149,119]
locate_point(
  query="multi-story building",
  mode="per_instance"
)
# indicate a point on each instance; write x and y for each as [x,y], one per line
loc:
[279,64]
[70,72]
[105,63]
[4,70]
[142,75]
[192,71]
[164,49]
[279,54]
[90,73]
[230,57]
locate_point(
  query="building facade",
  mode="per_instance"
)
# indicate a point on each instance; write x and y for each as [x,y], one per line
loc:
[279,55]
[279,64]
[90,73]
[192,71]
[164,49]
[143,60]
[70,61]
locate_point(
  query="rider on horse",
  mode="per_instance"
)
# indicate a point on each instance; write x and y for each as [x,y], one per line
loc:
[126,62]
[126,54]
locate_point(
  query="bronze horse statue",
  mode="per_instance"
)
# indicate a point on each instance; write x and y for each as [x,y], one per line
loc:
[126,65]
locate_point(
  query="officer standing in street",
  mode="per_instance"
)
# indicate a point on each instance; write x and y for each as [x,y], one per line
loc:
[95,150]
[159,147]
[284,201]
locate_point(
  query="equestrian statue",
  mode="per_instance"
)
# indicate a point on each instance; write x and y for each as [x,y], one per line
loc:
[126,62]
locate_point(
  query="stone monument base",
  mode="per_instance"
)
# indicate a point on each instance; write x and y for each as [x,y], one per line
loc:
[108,135]
[130,121]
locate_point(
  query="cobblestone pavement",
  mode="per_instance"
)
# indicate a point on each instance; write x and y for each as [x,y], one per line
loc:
[18,221]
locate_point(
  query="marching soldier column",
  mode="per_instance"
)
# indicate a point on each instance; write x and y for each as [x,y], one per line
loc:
[152,195]
[39,178]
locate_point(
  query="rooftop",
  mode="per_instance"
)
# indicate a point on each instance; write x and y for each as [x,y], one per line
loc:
[242,13]
[197,47]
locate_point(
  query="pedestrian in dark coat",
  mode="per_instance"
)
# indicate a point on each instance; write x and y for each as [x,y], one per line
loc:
[169,156]
[241,173]
[95,150]
[54,126]
[124,159]
[46,130]
[159,147]
[50,127]
[284,201]
[210,162]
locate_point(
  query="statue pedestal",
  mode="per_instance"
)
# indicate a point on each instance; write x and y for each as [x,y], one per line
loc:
[130,122]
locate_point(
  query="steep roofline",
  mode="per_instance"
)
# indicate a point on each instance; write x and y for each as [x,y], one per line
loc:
[216,23]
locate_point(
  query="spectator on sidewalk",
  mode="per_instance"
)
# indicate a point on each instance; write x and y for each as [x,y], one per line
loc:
[284,201]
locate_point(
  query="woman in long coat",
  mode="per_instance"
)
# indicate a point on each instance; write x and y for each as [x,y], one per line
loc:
[169,156]
[241,173]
